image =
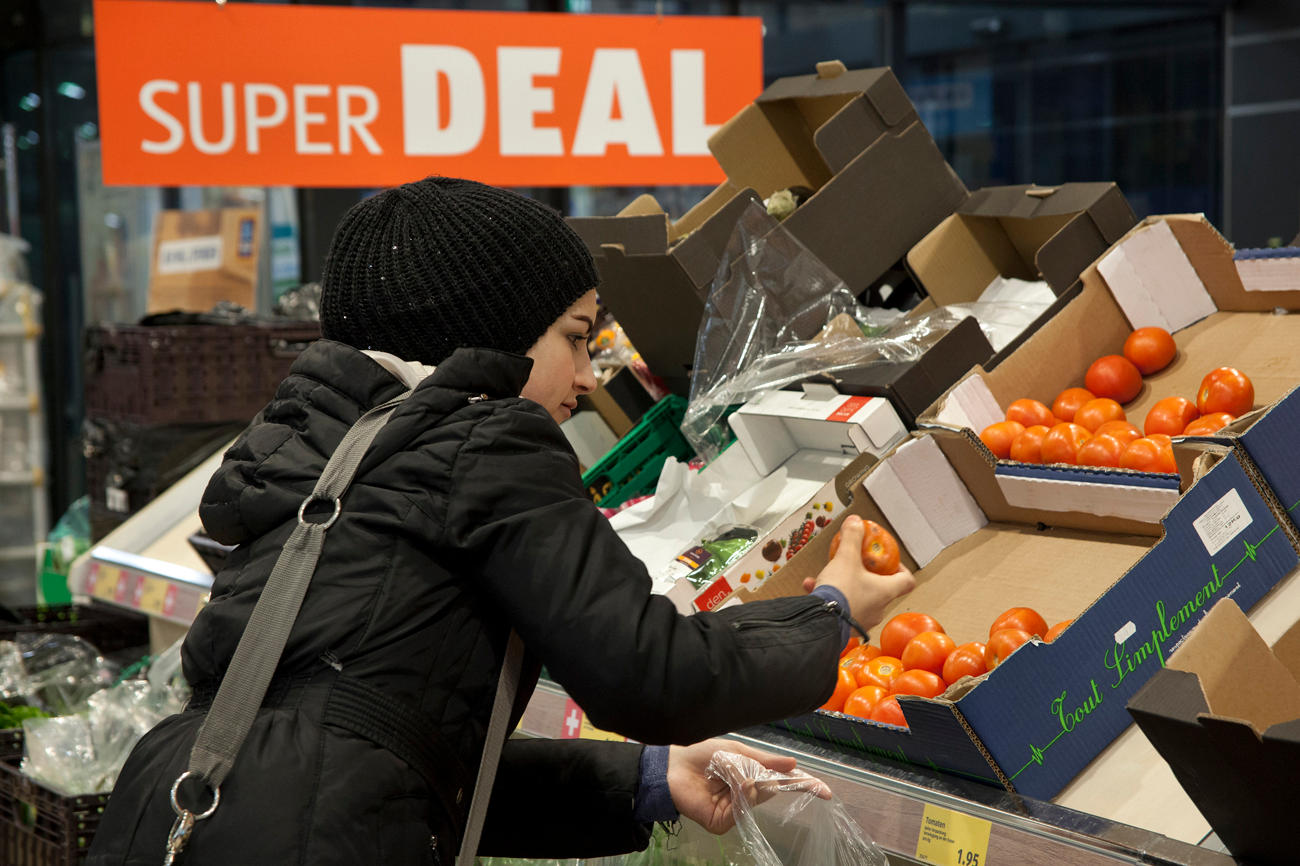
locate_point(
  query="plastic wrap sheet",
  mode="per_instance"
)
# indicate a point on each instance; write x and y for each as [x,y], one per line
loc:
[777,315]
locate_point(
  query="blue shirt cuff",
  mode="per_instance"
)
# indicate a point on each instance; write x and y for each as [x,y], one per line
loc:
[830,593]
[654,802]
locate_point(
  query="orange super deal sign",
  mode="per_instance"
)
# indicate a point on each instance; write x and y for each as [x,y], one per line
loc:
[251,94]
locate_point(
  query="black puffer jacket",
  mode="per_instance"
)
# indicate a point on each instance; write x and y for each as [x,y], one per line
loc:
[465,518]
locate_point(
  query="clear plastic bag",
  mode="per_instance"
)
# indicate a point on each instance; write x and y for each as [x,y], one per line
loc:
[58,672]
[782,821]
[776,315]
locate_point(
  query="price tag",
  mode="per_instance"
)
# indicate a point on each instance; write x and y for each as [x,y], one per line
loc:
[153,595]
[952,838]
[106,579]
[591,732]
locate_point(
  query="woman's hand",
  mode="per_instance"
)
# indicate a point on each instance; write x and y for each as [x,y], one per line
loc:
[707,799]
[868,593]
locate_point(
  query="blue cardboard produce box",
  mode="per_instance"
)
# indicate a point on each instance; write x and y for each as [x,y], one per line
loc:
[1040,717]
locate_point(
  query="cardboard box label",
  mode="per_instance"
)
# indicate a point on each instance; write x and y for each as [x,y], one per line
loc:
[187,255]
[1222,521]
[848,409]
[952,838]
[717,591]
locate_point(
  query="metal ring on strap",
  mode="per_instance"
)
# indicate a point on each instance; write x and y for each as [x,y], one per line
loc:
[302,511]
[178,808]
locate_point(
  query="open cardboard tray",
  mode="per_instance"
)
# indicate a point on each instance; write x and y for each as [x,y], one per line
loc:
[1225,714]
[1215,322]
[879,184]
[1037,720]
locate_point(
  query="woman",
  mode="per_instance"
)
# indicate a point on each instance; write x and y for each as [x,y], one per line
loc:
[467,518]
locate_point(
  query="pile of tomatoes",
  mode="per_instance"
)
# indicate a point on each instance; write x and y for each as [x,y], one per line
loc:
[1087,426]
[917,657]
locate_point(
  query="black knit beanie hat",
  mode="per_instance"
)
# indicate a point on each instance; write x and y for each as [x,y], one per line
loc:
[428,267]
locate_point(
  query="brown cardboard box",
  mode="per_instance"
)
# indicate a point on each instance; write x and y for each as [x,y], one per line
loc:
[202,257]
[1225,714]
[1043,714]
[852,137]
[1180,269]
[1026,232]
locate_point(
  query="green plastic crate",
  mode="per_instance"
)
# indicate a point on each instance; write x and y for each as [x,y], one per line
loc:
[631,468]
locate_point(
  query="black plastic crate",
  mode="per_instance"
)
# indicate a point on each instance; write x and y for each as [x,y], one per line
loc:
[39,826]
[107,628]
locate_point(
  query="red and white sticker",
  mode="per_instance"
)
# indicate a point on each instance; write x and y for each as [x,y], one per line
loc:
[848,408]
[713,596]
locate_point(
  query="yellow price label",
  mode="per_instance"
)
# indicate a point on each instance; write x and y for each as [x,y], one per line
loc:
[106,582]
[152,595]
[952,838]
[588,731]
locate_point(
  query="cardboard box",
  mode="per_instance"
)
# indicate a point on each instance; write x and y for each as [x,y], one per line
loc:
[774,428]
[1037,720]
[853,137]
[1026,232]
[1172,271]
[1225,714]
[202,257]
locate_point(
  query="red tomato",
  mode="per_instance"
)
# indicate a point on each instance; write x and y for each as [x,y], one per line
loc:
[861,702]
[854,643]
[845,685]
[1150,349]
[966,660]
[1069,401]
[1055,631]
[880,671]
[1003,643]
[1170,416]
[919,682]
[1098,411]
[879,548]
[1207,424]
[1166,460]
[1113,376]
[1028,447]
[998,437]
[928,651]
[1148,455]
[1061,444]
[1101,450]
[1023,618]
[889,712]
[1121,430]
[1030,413]
[1226,389]
[902,628]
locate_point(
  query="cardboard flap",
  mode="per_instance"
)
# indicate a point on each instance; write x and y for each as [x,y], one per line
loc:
[961,256]
[769,147]
[1063,256]
[636,235]
[924,499]
[700,252]
[847,479]
[643,205]
[1287,650]
[1151,276]
[1227,654]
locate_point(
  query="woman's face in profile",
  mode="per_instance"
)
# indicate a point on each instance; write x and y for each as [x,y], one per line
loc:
[561,365]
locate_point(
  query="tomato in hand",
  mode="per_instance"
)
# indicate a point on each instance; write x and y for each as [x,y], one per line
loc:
[1069,401]
[1150,349]
[1055,631]
[1207,424]
[1098,411]
[1113,376]
[1024,618]
[966,660]
[880,671]
[1101,450]
[919,682]
[889,712]
[1061,444]
[1121,430]
[1170,416]
[879,548]
[998,437]
[928,651]
[902,628]
[845,685]
[1030,413]
[1226,389]
[861,702]
[1003,643]
[1028,447]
